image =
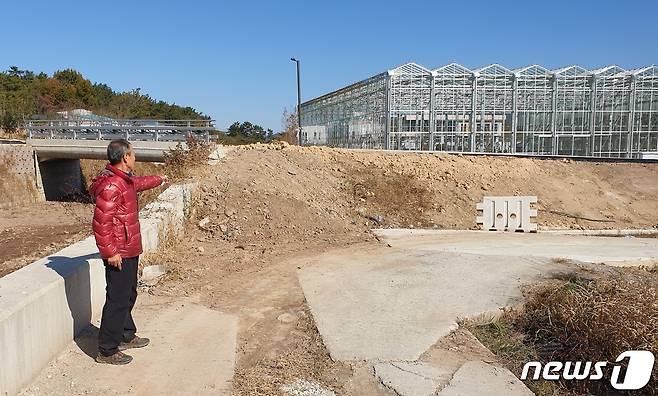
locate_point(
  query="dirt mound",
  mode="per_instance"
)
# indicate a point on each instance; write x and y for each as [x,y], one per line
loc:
[312,187]
[268,192]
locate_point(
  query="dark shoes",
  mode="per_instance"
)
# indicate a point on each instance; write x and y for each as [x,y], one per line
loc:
[136,342]
[118,358]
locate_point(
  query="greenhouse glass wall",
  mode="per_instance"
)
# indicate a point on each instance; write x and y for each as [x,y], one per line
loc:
[608,112]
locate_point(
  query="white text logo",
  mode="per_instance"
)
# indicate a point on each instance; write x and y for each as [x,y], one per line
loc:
[638,372]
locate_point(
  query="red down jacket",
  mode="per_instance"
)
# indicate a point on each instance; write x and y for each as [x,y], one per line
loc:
[116,216]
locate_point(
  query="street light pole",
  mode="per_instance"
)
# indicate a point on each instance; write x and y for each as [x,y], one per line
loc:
[299,104]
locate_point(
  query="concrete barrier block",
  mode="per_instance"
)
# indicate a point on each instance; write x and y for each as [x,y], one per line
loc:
[507,213]
[45,304]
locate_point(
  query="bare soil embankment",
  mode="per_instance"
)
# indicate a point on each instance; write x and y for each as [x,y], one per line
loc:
[33,231]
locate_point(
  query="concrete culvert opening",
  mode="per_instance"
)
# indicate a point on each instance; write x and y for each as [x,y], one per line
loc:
[63,181]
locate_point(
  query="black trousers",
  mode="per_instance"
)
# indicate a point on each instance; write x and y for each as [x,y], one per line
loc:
[121,293]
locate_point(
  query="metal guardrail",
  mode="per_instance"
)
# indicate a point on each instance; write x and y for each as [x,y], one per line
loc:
[146,130]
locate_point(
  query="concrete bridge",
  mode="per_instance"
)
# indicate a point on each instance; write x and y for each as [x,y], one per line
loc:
[69,149]
[88,138]
[50,158]
[52,166]
[58,160]
[51,155]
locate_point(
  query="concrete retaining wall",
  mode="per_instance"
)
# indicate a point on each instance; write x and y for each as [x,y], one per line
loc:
[45,304]
[20,180]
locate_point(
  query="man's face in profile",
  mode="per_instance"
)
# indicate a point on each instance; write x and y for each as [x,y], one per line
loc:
[129,159]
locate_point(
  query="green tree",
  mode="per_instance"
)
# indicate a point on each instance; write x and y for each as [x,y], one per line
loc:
[246,133]
[24,94]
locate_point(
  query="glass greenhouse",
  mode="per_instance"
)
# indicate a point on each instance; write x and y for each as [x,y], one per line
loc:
[607,112]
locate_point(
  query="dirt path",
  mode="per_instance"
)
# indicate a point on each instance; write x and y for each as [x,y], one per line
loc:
[191,353]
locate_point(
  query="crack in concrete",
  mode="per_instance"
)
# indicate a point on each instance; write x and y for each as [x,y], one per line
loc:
[411,372]
[452,376]
[381,381]
[392,388]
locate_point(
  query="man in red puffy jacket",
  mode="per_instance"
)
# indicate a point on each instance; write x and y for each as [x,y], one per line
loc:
[117,233]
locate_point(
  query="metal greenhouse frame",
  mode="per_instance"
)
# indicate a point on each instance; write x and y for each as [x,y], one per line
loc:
[607,112]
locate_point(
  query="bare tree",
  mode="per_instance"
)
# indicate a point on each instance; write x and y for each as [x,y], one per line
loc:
[290,127]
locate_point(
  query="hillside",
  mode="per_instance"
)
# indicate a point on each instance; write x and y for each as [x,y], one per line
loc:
[24,93]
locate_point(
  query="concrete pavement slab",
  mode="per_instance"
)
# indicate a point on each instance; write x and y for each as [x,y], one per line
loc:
[388,305]
[593,249]
[482,379]
[384,304]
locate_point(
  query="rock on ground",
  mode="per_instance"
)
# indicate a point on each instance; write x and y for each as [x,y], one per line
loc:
[303,387]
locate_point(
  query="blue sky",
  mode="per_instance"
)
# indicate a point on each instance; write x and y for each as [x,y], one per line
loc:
[231,60]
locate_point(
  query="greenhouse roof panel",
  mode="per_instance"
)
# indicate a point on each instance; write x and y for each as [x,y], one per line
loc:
[651,71]
[453,69]
[409,68]
[643,72]
[608,71]
[533,71]
[571,71]
[494,70]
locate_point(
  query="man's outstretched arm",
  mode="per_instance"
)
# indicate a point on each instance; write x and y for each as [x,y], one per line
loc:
[143,183]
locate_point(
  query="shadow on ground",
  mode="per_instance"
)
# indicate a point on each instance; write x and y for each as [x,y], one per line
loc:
[87,341]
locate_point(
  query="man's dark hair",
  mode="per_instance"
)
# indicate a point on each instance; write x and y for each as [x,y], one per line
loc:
[116,150]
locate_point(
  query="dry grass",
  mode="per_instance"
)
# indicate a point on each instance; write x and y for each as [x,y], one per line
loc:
[399,198]
[579,318]
[305,358]
[593,320]
[181,163]
[502,338]
[19,134]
